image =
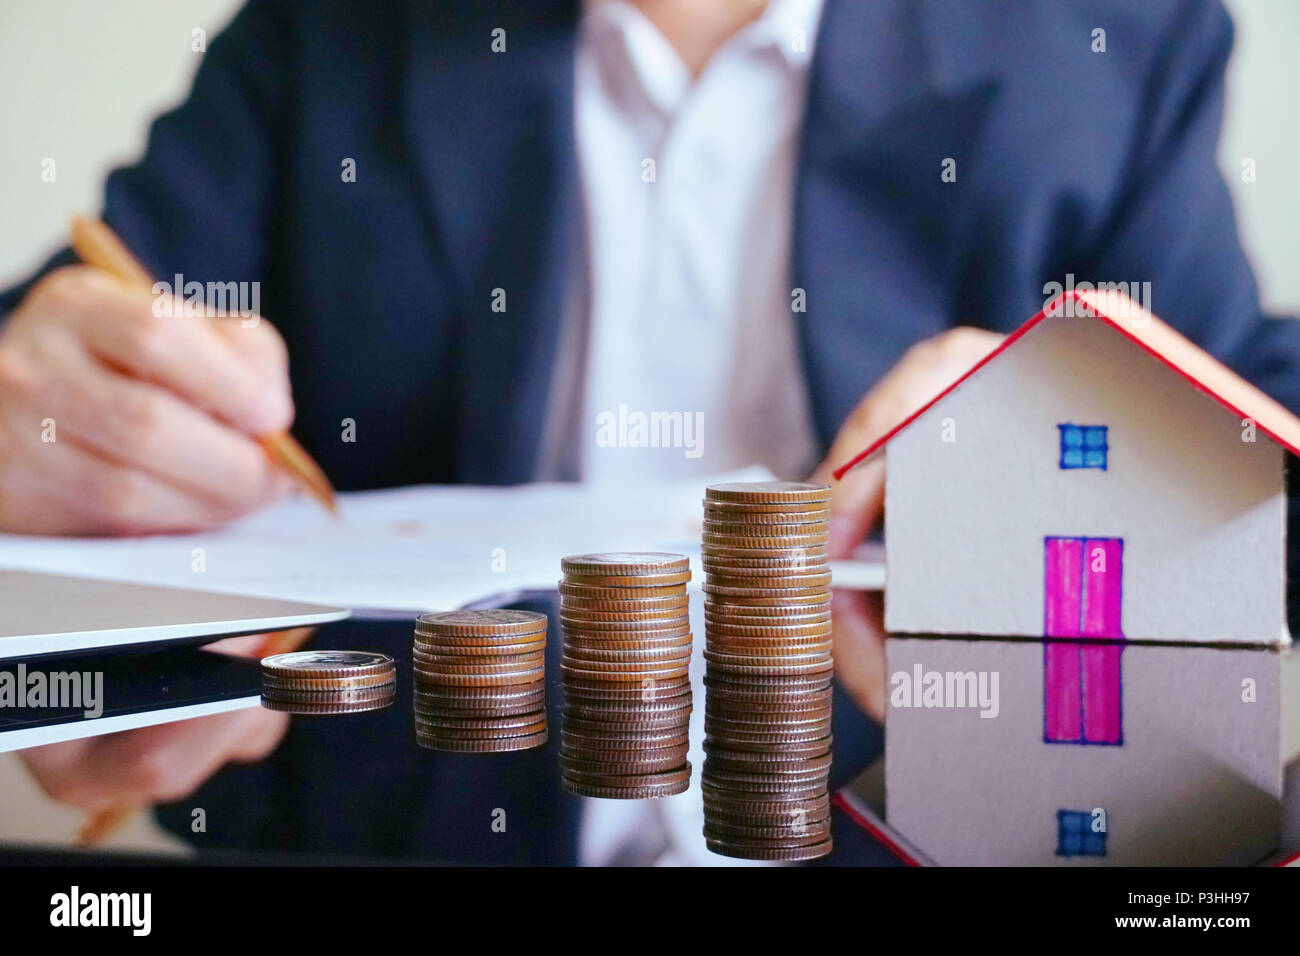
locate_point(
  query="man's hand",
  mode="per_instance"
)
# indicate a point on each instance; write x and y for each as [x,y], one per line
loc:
[136,768]
[152,417]
[925,370]
[856,502]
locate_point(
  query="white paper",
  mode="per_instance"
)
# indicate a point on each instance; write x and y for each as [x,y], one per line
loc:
[418,548]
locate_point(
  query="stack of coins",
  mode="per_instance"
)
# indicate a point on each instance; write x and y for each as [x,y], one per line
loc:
[328,682]
[627,690]
[479,684]
[768,669]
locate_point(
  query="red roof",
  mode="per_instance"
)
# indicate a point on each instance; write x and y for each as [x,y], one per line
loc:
[1142,328]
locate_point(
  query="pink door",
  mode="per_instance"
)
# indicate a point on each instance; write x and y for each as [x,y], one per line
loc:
[1082,688]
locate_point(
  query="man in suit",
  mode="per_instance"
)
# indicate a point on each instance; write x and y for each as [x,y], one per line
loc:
[476,225]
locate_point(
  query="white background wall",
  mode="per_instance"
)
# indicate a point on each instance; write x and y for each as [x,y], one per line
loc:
[81,78]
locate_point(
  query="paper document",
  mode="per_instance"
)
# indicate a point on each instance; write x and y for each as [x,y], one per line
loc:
[432,547]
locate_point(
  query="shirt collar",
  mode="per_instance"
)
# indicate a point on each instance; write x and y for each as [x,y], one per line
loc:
[789,26]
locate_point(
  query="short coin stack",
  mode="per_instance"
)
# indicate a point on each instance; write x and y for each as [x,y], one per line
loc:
[768,669]
[627,690]
[479,684]
[328,682]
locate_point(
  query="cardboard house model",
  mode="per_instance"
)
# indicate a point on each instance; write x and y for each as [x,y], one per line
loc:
[1097,480]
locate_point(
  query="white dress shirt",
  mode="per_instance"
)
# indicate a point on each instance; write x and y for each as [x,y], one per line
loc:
[686,317]
[687,185]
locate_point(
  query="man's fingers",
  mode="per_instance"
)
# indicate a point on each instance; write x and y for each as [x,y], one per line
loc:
[856,503]
[129,328]
[145,426]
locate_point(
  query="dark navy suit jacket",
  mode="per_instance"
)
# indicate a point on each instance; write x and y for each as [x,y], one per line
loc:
[1067,161]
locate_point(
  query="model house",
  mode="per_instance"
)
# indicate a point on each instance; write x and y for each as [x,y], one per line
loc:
[1098,475]
[1096,481]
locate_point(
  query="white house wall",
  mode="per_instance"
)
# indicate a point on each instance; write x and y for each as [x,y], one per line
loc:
[1201,512]
[1197,779]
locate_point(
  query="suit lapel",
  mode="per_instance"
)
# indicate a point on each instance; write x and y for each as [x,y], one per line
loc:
[874,227]
[492,136]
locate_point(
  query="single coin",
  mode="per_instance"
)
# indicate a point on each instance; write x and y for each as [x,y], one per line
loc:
[718,572]
[767,530]
[624,793]
[634,762]
[725,513]
[479,680]
[483,622]
[378,679]
[763,507]
[473,651]
[641,633]
[586,605]
[797,768]
[665,723]
[753,543]
[662,656]
[627,674]
[425,668]
[796,751]
[629,580]
[435,659]
[479,733]
[579,645]
[326,664]
[646,692]
[458,710]
[568,590]
[805,836]
[785,630]
[628,617]
[474,643]
[482,722]
[352,695]
[321,709]
[783,855]
[729,664]
[725,612]
[721,819]
[615,740]
[820,579]
[473,696]
[668,778]
[625,563]
[622,630]
[494,745]
[767,491]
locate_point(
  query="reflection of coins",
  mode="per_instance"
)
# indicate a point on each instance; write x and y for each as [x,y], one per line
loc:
[479,680]
[431,741]
[324,708]
[353,695]
[625,666]
[768,664]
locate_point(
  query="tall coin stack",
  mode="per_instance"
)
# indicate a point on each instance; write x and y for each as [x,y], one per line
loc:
[627,690]
[768,668]
[479,684]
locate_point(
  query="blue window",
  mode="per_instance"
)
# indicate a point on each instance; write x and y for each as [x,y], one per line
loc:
[1075,836]
[1083,446]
